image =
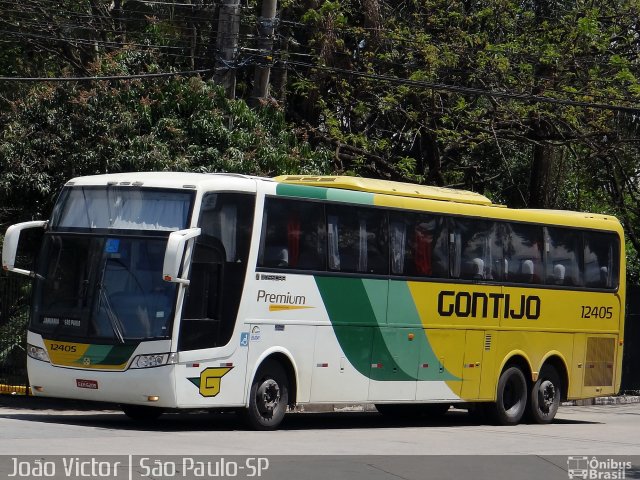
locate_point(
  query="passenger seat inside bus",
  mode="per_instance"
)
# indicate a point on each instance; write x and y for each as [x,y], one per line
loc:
[559,273]
[527,271]
[478,268]
[276,257]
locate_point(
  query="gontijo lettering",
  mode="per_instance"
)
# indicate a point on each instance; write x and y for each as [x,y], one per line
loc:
[467,304]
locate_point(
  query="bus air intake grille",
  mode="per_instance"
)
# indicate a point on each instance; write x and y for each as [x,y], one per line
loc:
[599,362]
[487,342]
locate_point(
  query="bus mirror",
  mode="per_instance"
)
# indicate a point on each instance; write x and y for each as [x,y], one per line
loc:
[174,253]
[10,245]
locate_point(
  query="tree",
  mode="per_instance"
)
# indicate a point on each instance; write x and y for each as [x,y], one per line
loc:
[184,124]
[364,92]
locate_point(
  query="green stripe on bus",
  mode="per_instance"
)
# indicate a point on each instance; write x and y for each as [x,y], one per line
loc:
[107,354]
[350,196]
[357,309]
[403,310]
[322,193]
[303,191]
[119,354]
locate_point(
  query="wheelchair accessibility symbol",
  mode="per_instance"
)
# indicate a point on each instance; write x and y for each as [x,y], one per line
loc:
[244,339]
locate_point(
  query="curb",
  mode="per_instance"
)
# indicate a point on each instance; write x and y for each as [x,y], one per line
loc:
[13,389]
[619,400]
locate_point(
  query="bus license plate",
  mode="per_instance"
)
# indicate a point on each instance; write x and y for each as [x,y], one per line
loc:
[91,384]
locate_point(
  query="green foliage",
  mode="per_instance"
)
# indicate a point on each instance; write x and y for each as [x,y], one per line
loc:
[184,124]
[13,331]
[518,151]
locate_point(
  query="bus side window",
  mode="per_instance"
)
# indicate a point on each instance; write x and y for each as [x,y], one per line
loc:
[357,239]
[293,235]
[523,253]
[481,251]
[418,245]
[564,256]
[600,266]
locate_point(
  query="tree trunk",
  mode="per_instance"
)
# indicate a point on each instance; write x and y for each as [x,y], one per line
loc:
[429,161]
[540,180]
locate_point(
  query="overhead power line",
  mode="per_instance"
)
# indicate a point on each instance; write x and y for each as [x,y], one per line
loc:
[467,90]
[186,73]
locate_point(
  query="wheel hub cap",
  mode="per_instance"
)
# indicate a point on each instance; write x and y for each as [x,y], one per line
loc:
[269,395]
[546,395]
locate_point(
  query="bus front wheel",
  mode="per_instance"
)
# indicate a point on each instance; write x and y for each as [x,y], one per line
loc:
[268,397]
[511,398]
[545,396]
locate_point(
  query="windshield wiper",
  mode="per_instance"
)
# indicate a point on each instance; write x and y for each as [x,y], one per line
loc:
[111,315]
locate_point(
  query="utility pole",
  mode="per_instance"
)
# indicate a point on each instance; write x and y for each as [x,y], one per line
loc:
[227,45]
[266,26]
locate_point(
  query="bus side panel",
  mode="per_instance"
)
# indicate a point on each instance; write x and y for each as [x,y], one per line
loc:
[473,364]
[488,380]
[534,347]
[296,342]
[577,365]
[560,310]
[394,363]
[335,377]
[437,367]
[599,365]
[202,382]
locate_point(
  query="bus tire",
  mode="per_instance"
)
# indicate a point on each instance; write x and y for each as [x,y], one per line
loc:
[545,396]
[142,413]
[268,397]
[511,398]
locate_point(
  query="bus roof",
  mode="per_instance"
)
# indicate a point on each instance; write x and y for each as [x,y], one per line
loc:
[417,197]
[188,180]
[387,187]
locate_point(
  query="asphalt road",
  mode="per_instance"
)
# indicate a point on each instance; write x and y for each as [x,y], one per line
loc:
[332,445]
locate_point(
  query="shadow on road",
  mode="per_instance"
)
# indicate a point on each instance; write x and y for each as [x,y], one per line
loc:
[206,421]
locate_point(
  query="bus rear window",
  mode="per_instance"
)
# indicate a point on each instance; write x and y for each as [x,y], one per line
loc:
[564,265]
[600,260]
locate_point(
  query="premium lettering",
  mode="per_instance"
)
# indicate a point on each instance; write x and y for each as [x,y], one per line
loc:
[281,298]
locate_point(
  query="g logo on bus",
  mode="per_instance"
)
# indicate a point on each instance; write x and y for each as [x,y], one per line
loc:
[86,361]
[209,381]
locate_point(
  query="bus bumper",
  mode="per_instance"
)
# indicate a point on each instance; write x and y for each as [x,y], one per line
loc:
[145,386]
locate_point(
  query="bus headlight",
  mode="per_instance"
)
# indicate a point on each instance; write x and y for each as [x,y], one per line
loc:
[38,353]
[154,360]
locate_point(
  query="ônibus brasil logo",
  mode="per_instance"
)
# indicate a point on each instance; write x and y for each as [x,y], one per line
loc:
[596,469]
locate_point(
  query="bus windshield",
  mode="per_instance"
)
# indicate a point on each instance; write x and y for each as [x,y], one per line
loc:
[122,208]
[99,274]
[99,287]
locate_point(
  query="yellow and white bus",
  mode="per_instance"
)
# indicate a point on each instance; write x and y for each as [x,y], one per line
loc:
[178,290]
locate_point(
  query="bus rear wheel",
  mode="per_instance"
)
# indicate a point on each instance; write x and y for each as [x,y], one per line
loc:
[511,398]
[141,413]
[268,397]
[545,396]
